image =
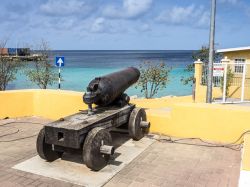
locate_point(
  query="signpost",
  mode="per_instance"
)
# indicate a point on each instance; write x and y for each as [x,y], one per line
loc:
[218,70]
[59,61]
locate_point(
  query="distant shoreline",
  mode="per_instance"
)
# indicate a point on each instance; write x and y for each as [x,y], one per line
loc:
[120,50]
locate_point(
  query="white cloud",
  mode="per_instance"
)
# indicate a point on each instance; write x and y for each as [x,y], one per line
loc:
[145,27]
[192,15]
[129,9]
[99,25]
[229,1]
[247,10]
[177,14]
[65,8]
[204,19]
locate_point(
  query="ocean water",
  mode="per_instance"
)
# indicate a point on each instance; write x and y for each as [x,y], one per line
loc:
[82,66]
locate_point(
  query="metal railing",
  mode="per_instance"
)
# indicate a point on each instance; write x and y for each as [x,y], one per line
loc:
[237,71]
[217,80]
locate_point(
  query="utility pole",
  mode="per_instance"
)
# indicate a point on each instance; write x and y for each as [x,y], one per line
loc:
[211,53]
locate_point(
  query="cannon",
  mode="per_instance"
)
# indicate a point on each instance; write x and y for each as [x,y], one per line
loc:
[88,131]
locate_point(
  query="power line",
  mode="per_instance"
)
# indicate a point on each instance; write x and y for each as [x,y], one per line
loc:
[232,145]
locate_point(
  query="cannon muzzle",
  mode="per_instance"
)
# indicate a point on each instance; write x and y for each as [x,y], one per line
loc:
[105,90]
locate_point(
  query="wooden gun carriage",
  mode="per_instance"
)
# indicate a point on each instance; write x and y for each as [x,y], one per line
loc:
[88,131]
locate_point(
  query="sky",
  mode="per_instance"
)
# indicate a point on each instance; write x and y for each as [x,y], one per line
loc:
[123,24]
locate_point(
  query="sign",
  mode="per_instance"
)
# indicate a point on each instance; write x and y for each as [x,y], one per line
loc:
[59,61]
[218,70]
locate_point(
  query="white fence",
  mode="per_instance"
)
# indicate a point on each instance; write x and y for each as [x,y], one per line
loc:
[237,73]
[216,79]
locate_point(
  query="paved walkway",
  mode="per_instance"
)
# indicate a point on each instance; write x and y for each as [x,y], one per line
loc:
[15,152]
[161,164]
[168,164]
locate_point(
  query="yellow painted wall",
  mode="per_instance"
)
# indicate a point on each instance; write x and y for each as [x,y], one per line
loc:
[54,104]
[220,123]
[15,103]
[159,103]
[245,54]
[200,90]
[51,104]
[237,54]
[176,116]
[234,92]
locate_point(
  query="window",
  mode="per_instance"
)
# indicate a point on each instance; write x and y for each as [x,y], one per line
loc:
[239,65]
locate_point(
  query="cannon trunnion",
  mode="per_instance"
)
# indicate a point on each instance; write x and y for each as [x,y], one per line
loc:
[88,131]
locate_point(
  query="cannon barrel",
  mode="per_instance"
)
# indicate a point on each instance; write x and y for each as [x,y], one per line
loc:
[104,90]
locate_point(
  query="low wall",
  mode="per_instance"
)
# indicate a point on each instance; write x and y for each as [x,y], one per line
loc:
[201,91]
[16,103]
[54,104]
[234,92]
[51,104]
[176,116]
[199,120]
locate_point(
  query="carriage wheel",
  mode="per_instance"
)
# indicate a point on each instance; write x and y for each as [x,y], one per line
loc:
[138,125]
[97,148]
[44,150]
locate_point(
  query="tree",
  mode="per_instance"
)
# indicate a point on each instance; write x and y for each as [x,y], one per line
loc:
[154,76]
[42,73]
[229,81]
[8,67]
[203,55]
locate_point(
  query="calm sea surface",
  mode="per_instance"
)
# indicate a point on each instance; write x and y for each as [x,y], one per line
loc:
[82,66]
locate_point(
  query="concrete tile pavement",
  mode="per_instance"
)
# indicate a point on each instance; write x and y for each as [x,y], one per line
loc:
[14,152]
[168,164]
[161,164]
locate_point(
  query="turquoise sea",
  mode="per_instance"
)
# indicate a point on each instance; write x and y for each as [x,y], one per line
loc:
[82,66]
